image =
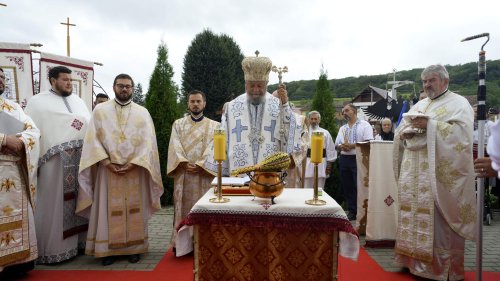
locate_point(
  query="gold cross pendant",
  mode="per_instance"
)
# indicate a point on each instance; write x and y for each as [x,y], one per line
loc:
[122,138]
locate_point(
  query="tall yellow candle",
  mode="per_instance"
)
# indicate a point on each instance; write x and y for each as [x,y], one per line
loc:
[317,143]
[219,145]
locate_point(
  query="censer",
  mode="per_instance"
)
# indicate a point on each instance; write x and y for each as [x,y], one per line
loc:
[268,179]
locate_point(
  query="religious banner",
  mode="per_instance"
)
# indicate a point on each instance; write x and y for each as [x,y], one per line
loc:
[82,76]
[15,60]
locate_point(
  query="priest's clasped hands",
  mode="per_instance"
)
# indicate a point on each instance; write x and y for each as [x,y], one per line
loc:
[13,145]
[119,169]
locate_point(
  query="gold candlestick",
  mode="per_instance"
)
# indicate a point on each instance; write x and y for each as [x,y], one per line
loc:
[219,156]
[317,143]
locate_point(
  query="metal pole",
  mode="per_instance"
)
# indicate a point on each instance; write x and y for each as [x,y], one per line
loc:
[481,118]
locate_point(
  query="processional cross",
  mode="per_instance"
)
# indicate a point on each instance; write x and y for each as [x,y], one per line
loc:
[280,71]
[68,24]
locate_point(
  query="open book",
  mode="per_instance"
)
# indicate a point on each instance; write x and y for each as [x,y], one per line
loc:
[10,125]
[233,181]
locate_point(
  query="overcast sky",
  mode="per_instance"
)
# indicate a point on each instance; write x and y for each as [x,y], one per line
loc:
[350,38]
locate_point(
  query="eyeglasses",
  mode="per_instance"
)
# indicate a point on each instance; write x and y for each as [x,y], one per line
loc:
[121,86]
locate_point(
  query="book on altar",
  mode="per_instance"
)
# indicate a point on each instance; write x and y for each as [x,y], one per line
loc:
[10,125]
[232,181]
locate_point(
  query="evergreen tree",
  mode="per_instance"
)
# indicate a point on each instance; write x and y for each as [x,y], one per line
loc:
[324,104]
[212,65]
[138,97]
[161,102]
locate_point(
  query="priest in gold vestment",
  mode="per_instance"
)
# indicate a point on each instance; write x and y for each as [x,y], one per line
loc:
[434,170]
[19,149]
[120,179]
[190,144]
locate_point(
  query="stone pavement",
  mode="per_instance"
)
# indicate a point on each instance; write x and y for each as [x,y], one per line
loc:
[160,231]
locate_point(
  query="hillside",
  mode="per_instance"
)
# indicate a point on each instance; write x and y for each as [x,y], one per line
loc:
[463,79]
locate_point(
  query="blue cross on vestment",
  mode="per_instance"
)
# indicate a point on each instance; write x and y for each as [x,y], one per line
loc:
[271,129]
[238,129]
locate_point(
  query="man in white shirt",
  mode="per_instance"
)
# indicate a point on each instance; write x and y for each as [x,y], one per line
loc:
[354,131]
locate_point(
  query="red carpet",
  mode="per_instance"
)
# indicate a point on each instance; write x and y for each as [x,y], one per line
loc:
[181,269]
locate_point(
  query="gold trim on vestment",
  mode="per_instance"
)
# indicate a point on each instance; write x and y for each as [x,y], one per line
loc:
[11,225]
[125,218]
[11,258]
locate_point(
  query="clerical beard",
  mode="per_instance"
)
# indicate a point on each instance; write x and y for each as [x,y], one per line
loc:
[196,113]
[256,100]
[123,99]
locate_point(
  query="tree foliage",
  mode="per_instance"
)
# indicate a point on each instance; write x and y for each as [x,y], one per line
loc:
[323,102]
[138,97]
[212,65]
[463,79]
[161,102]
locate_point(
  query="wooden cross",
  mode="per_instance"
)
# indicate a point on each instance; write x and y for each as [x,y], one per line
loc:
[67,35]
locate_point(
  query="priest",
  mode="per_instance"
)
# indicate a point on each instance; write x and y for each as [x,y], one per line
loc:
[256,123]
[434,172]
[62,118]
[120,178]
[190,143]
[19,149]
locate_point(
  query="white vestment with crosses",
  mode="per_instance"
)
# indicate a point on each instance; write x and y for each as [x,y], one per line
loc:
[254,132]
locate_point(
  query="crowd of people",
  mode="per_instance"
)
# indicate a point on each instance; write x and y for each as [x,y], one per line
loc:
[74,181]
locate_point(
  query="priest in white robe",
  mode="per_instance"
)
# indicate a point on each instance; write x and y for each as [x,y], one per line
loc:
[256,123]
[62,118]
[329,153]
[19,149]
[120,178]
[190,144]
[434,171]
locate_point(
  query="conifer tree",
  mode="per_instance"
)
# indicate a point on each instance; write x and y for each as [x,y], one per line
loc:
[212,65]
[323,103]
[138,97]
[161,102]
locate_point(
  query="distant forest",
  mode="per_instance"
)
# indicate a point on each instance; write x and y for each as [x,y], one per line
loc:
[463,80]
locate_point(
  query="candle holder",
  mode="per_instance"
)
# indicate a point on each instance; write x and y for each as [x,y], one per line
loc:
[219,156]
[219,198]
[317,142]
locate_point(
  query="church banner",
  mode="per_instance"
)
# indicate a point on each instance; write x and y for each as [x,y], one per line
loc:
[15,60]
[82,76]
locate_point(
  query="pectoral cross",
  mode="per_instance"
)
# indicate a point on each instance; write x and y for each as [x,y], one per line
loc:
[67,35]
[238,129]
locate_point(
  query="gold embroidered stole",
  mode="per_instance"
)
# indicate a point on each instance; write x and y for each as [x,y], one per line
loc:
[191,139]
[125,214]
[14,223]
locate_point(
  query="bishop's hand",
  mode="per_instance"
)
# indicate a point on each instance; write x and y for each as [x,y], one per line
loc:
[282,93]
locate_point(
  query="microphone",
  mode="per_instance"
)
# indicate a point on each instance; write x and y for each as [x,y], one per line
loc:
[476,36]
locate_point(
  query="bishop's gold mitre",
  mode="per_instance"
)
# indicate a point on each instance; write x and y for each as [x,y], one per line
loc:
[256,68]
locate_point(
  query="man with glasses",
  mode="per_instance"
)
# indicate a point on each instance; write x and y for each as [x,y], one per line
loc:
[62,119]
[120,179]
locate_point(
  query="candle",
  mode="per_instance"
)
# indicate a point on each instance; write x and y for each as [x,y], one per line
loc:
[317,143]
[219,145]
